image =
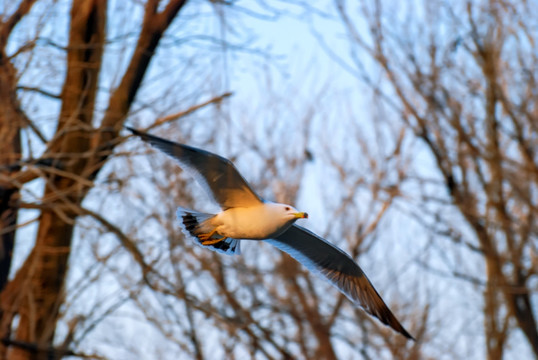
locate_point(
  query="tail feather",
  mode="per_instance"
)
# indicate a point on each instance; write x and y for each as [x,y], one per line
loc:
[194,223]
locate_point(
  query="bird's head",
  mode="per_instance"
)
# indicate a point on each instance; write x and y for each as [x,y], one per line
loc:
[292,213]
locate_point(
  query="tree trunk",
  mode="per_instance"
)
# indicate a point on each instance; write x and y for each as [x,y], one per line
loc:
[47,268]
[10,152]
[78,151]
[11,122]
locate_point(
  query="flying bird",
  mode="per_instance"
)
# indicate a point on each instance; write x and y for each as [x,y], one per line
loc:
[245,215]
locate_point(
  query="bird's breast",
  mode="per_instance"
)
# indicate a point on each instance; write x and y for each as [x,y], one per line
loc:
[254,223]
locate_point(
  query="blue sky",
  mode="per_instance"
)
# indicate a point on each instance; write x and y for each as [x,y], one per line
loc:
[296,76]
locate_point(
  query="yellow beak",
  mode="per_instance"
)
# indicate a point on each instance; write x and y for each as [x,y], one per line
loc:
[301,215]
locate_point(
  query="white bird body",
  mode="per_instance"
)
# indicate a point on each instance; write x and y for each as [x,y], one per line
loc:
[263,221]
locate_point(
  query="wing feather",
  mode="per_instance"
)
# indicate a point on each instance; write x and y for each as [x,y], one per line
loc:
[218,175]
[327,260]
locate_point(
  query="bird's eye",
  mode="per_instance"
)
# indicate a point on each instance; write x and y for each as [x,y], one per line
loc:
[287,208]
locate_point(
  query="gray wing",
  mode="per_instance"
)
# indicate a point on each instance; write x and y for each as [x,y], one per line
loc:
[217,174]
[321,257]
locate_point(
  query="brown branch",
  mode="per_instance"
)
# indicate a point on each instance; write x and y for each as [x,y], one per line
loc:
[39,91]
[126,242]
[7,27]
[47,351]
[153,28]
[192,109]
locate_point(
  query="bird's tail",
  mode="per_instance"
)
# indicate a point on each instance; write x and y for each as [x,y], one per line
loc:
[194,223]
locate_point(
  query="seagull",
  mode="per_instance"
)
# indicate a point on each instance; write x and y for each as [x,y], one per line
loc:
[246,216]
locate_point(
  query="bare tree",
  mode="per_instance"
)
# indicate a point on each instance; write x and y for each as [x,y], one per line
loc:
[194,303]
[462,77]
[73,157]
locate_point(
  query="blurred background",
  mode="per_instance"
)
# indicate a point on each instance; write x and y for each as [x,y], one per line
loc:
[407,130]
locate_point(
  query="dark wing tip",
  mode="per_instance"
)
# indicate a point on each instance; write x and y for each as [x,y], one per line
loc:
[407,335]
[160,143]
[391,321]
[372,302]
[136,132]
[133,130]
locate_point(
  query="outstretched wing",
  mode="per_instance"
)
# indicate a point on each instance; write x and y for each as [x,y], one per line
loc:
[321,257]
[218,175]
